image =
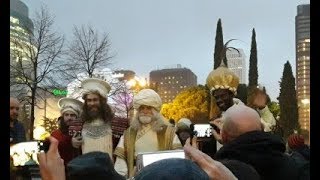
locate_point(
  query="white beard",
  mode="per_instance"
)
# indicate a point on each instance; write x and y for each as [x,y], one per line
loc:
[145,119]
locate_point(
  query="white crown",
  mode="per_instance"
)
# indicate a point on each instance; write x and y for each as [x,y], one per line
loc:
[71,104]
[95,84]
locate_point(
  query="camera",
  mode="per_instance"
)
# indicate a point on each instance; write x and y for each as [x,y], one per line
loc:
[144,159]
[25,153]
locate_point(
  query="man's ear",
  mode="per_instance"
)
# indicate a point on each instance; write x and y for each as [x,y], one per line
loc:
[224,137]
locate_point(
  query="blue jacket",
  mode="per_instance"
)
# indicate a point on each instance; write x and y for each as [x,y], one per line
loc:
[17,132]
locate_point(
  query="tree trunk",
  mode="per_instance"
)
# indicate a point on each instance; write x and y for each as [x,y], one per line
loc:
[33,99]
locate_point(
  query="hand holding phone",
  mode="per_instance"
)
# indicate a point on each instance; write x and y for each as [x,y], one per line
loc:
[217,126]
[76,140]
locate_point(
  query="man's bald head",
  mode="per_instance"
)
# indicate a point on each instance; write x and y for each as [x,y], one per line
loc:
[239,119]
[14,108]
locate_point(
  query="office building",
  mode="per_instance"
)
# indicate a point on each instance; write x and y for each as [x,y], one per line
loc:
[302,23]
[171,81]
[237,64]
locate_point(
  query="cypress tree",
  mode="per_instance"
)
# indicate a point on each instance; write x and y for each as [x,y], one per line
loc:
[218,48]
[288,102]
[253,67]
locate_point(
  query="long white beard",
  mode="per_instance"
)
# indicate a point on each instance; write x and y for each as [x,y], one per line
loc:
[145,119]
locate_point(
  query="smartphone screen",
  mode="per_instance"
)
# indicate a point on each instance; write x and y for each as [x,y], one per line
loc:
[25,153]
[145,159]
[203,130]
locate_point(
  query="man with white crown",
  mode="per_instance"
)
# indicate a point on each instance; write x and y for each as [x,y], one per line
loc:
[148,132]
[97,115]
[223,84]
[70,110]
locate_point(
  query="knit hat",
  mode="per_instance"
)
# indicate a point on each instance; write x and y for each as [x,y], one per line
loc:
[70,104]
[95,84]
[147,97]
[92,165]
[295,141]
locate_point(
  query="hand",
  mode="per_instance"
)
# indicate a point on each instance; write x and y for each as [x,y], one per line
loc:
[50,163]
[260,101]
[194,142]
[214,169]
[76,141]
[218,123]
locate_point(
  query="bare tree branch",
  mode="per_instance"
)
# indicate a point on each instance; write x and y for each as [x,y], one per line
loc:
[36,60]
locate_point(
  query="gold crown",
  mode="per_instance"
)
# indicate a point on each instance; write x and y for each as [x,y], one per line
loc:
[222,78]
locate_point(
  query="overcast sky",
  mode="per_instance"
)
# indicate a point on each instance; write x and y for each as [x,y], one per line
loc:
[146,34]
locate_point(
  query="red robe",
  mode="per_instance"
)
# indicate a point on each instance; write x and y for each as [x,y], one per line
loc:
[66,150]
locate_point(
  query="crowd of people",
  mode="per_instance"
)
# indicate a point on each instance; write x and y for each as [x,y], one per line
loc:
[244,147]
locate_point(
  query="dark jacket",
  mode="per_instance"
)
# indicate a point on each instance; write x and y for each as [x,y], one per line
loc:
[303,152]
[17,132]
[266,153]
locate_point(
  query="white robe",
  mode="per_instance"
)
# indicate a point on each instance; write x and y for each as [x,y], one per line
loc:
[102,143]
[148,142]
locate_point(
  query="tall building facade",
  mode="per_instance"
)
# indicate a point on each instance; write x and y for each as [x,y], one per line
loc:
[302,23]
[170,82]
[21,28]
[237,63]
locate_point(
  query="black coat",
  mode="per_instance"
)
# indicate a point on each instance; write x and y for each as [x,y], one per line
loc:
[266,153]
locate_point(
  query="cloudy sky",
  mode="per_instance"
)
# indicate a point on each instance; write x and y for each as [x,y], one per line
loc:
[147,34]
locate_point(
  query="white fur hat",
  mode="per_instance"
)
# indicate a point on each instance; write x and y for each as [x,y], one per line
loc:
[70,104]
[184,123]
[147,97]
[95,84]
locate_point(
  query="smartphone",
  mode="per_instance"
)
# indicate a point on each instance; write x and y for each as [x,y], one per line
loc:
[144,159]
[25,153]
[75,126]
[203,130]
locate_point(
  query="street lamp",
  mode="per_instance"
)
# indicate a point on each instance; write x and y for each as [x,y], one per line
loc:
[136,83]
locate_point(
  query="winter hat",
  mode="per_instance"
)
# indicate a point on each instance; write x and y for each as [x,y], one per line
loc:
[147,97]
[295,141]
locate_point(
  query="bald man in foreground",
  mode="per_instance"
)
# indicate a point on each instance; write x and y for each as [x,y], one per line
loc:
[17,131]
[243,139]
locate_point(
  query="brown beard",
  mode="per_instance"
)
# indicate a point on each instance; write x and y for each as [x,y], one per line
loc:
[104,112]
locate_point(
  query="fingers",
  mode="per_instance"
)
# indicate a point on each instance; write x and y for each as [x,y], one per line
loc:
[218,122]
[187,142]
[194,142]
[74,135]
[196,155]
[41,158]
[53,145]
